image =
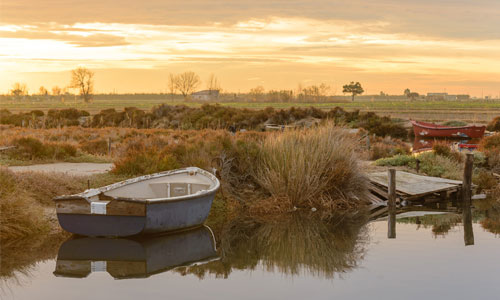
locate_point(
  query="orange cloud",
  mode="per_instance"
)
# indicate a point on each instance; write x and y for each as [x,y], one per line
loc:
[387,44]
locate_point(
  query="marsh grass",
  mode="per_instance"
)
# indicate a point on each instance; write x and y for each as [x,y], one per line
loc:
[314,168]
[21,215]
[26,204]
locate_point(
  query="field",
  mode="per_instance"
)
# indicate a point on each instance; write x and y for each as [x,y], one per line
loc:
[480,111]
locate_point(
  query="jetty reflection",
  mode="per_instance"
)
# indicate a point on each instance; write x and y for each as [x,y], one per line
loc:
[135,257]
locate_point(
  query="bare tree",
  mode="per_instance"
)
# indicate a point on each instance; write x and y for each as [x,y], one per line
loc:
[213,83]
[19,89]
[171,85]
[83,79]
[43,91]
[56,91]
[186,83]
[257,93]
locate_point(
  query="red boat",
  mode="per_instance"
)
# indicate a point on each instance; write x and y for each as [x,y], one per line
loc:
[423,129]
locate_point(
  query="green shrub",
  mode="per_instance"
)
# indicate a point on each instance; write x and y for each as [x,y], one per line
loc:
[494,125]
[490,142]
[96,147]
[442,149]
[455,123]
[440,166]
[28,148]
[484,180]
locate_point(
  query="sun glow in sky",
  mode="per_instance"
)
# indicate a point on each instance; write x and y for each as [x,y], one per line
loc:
[387,45]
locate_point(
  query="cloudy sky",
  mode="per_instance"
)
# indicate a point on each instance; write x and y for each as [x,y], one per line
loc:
[387,45]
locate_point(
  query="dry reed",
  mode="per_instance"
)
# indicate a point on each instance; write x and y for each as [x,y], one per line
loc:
[313,168]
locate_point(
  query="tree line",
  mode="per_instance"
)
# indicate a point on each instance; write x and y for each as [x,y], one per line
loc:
[186,83]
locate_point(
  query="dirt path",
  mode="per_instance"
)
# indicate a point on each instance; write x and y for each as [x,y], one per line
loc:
[79,169]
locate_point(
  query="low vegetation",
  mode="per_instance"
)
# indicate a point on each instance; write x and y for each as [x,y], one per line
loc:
[446,163]
[26,200]
[205,117]
[313,168]
[266,171]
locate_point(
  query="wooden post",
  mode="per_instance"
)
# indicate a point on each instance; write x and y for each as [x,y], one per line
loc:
[467,182]
[391,204]
[88,184]
[417,167]
[109,146]
[466,200]
[368,142]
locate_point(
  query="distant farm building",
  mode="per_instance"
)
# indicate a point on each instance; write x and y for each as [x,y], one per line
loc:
[446,96]
[206,95]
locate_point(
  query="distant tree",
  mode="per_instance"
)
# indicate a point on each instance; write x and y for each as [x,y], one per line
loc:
[56,91]
[43,91]
[186,83]
[257,93]
[353,89]
[213,83]
[19,89]
[83,79]
[411,95]
[171,85]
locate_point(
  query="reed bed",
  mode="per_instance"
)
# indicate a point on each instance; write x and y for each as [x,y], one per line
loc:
[20,214]
[313,168]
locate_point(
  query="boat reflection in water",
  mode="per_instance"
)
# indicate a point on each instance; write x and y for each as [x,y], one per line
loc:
[135,257]
[421,144]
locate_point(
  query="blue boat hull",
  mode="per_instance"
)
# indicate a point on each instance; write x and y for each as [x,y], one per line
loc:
[160,217]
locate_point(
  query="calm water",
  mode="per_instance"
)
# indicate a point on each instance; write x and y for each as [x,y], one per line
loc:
[297,257]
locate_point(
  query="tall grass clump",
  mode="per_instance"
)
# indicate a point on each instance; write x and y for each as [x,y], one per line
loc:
[20,215]
[316,167]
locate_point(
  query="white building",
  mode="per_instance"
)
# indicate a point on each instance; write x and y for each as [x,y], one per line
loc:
[206,95]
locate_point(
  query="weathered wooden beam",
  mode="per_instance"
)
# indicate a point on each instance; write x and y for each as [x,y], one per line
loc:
[466,200]
[391,204]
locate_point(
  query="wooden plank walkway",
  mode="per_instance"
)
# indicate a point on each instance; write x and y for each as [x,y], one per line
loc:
[411,186]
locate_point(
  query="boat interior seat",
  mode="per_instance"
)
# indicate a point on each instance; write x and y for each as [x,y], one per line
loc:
[176,189]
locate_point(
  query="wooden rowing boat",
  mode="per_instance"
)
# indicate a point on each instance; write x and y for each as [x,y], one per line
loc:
[160,202]
[423,129]
[135,257]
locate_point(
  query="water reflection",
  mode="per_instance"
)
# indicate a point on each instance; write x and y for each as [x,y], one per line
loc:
[18,257]
[421,144]
[294,244]
[290,245]
[487,212]
[134,257]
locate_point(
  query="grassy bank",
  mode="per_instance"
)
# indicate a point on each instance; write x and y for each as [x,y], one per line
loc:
[261,172]
[26,203]
[264,172]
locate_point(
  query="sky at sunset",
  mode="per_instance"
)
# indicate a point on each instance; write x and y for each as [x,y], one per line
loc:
[387,45]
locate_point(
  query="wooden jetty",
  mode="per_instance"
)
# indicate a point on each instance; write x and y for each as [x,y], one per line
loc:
[411,187]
